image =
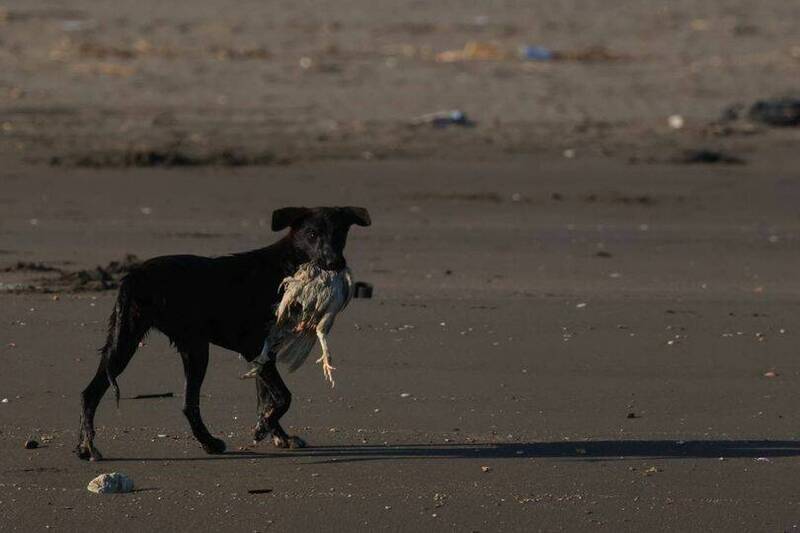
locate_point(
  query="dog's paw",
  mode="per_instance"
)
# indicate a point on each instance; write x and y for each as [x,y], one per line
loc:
[214,446]
[82,452]
[88,453]
[260,433]
[288,442]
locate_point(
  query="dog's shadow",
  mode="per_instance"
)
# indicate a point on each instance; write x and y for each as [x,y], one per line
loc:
[587,451]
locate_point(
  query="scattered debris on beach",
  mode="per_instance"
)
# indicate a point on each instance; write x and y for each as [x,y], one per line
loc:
[775,112]
[28,266]
[362,289]
[443,119]
[474,51]
[676,122]
[100,278]
[492,51]
[168,156]
[706,156]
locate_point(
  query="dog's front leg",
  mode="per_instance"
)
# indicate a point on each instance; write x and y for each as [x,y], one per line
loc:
[274,400]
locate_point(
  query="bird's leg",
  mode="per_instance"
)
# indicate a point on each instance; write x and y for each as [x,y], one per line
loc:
[327,368]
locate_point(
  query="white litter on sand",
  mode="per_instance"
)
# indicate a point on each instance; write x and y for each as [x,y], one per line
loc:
[114,483]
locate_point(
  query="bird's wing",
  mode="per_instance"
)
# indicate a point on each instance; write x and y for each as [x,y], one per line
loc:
[295,348]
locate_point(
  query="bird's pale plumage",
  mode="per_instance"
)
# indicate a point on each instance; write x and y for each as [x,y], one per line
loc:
[312,298]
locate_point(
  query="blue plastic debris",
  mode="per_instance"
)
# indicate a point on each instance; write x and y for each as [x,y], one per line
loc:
[536,53]
[442,119]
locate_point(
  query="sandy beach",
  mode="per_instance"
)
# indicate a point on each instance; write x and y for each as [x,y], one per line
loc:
[571,328]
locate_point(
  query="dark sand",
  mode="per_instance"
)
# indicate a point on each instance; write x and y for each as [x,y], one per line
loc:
[502,367]
[595,332]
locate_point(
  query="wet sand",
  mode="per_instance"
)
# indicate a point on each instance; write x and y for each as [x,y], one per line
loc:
[150,83]
[623,390]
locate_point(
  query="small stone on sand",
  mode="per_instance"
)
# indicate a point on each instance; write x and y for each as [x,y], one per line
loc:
[114,483]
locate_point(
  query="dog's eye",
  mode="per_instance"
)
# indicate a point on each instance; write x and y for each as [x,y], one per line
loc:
[311,234]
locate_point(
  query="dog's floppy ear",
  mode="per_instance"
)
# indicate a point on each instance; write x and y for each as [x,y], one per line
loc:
[357,215]
[287,217]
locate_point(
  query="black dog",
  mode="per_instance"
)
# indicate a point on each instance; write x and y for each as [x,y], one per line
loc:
[228,301]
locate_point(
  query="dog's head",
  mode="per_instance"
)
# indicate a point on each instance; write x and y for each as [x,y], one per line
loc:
[320,233]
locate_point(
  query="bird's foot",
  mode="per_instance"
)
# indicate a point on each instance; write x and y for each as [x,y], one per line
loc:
[250,374]
[327,369]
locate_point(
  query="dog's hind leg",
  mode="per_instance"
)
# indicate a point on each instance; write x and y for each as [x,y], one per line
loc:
[90,398]
[195,362]
[274,400]
[126,329]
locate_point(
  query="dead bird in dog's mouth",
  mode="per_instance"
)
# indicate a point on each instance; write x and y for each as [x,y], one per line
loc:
[287,293]
[311,299]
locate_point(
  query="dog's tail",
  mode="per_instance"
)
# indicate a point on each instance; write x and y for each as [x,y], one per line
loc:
[124,334]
